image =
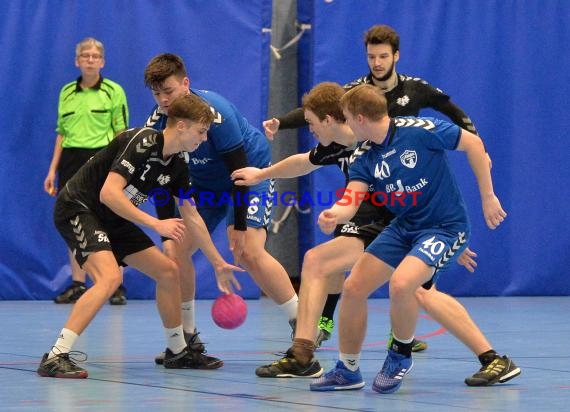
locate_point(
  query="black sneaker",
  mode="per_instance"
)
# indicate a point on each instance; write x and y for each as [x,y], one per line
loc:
[289,367]
[62,366]
[118,298]
[190,359]
[500,370]
[194,343]
[71,294]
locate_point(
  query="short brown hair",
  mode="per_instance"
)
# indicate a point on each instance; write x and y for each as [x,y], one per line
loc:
[324,99]
[366,100]
[190,107]
[382,34]
[161,67]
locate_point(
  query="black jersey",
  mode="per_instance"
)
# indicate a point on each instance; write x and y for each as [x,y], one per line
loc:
[136,154]
[340,155]
[333,154]
[410,95]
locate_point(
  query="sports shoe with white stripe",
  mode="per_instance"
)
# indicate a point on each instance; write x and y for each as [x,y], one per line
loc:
[500,370]
[390,377]
[289,367]
[340,378]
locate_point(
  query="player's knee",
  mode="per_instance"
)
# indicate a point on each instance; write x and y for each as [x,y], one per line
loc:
[251,258]
[312,264]
[399,287]
[171,270]
[111,282]
[167,272]
[352,290]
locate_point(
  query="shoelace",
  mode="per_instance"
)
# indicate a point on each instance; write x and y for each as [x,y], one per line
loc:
[334,371]
[489,368]
[390,366]
[77,356]
[280,354]
[192,341]
[74,355]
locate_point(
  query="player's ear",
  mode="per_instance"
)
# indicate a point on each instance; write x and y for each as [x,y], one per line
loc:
[396,56]
[180,125]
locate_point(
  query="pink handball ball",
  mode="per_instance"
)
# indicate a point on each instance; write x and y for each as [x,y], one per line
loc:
[229,311]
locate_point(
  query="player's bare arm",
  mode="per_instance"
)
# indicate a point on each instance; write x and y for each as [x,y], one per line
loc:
[292,166]
[113,197]
[472,145]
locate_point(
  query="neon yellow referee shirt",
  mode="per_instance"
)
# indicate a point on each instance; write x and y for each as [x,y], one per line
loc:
[90,118]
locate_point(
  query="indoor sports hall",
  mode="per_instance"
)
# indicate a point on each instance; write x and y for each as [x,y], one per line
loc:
[503,62]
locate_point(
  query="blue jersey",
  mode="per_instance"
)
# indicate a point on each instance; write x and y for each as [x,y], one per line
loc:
[229,131]
[411,173]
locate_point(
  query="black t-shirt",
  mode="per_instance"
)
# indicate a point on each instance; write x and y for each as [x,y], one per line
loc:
[135,154]
[333,154]
[410,95]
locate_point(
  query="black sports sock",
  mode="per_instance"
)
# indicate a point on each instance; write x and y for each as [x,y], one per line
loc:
[487,357]
[402,348]
[330,305]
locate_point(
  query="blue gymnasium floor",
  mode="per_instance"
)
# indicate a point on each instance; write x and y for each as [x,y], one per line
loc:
[122,342]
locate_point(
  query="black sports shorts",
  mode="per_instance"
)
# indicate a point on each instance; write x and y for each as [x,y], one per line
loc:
[367,233]
[70,162]
[85,233]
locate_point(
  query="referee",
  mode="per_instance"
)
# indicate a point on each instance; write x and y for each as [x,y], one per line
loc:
[92,110]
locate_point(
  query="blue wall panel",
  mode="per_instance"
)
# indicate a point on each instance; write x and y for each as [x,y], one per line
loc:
[505,63]
[225,50]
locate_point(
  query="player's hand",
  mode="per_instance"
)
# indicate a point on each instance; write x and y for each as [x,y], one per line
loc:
[493,211]
[225,277]
[171,228]
[237,243]
[271,127]
[247,176]
[49,184]
[327,221]
[467,259]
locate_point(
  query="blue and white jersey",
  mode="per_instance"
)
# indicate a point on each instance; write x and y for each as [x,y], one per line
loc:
[229,131]
[411,173]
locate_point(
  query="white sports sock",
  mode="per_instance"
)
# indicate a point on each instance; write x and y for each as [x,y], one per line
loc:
[350,360]
[175,339]
[290,307]
[403,340]
[64,343]
[188,316]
